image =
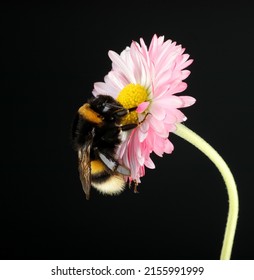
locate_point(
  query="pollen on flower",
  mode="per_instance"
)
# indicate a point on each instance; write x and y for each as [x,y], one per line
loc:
[131,96]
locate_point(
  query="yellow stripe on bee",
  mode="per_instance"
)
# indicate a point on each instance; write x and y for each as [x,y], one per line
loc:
[97,166]
[88,114]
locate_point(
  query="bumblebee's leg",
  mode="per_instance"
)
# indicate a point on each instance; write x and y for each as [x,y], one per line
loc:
[132,125]
[123,112]
[133,184]
[144,118]
[128,126]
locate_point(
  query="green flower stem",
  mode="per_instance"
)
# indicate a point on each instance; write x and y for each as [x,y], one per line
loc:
[210,152]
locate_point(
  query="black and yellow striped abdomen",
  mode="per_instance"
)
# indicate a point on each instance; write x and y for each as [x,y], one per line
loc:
[105,182]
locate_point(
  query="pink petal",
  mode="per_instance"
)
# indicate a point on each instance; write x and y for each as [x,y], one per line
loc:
[186,63]
[157,112]
[180,117]
[141,135]
[170,118]
[145,125]
[185,74]
[104,88]
[153,46]
[159,147]
[169,101]
[142,107]
[149,163]
[176,86]
[187,100]
[116,80]
[122,65]
[168,148]
[159,127]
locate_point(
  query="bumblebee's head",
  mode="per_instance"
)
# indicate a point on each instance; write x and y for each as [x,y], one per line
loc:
[105,105]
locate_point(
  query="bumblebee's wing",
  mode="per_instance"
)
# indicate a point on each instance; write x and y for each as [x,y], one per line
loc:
[111,164]
[85,165]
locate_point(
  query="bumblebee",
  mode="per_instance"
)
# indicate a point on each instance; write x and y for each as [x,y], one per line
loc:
[96,133]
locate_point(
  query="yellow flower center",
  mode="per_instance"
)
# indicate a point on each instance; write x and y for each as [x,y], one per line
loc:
[131,96]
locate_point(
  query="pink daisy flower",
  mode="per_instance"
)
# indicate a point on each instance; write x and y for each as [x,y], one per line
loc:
[148,78]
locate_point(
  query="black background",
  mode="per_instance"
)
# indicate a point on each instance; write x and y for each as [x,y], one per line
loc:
[51,58]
